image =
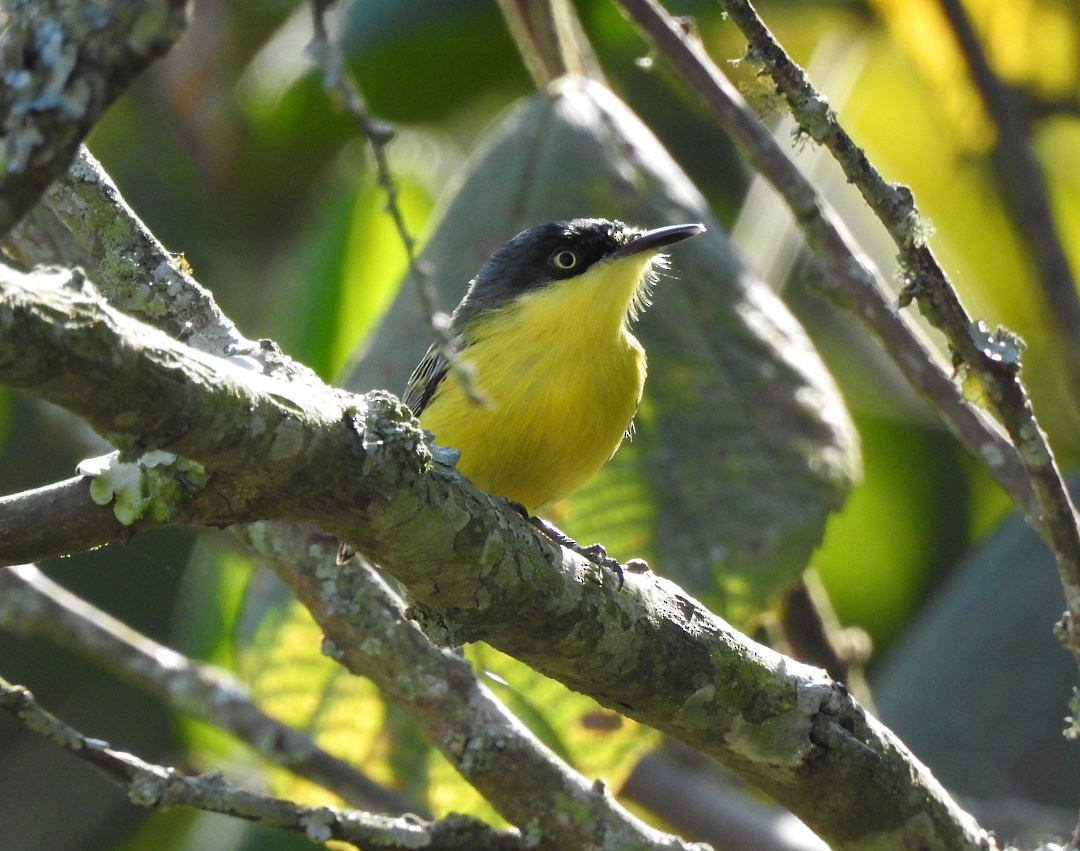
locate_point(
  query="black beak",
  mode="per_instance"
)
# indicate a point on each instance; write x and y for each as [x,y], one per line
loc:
[654,240]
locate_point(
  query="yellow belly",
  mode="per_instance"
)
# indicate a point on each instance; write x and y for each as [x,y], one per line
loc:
[555,411]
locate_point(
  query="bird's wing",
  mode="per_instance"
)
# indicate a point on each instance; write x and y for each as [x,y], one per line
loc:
[425,379]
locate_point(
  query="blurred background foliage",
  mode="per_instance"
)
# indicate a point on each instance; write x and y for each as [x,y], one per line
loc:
[233,154]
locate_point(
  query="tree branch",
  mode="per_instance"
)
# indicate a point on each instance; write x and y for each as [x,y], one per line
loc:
[993,358]
[517,773]
[31,604]
[403,664]
[83,221]
[842,273]
[297,487]
[1025,468]
[362,470]
[55,520]
[160,787]
[342,86]
[63,64]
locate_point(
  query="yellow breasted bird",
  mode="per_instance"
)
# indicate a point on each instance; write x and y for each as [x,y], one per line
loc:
[552,375]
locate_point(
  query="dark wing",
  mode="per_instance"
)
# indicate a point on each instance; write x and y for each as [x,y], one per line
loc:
[425,379]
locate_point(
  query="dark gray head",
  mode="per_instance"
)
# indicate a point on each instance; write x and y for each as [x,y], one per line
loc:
[554,252]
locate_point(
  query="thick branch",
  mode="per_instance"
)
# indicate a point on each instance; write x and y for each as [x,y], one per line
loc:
[83,221]
[63,63]
[445,699]
[161,787]
[332,454]
[524,779]
[363,471]
[177,398]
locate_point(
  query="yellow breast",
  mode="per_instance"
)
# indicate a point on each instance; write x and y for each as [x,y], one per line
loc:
[561,376]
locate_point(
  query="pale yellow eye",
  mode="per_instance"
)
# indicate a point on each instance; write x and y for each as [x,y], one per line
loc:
[564,260]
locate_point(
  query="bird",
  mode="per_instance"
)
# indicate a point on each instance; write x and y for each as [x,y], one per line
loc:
[542,377]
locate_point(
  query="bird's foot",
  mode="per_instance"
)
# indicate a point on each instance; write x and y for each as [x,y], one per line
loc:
[344,553]
[593,552]
[520,509]
[598,555]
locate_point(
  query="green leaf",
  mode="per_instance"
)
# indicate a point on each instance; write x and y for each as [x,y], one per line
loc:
[295,683]
[280,661]
[743,445]
[457,44]
[898,526]
[373,261]
[350,264]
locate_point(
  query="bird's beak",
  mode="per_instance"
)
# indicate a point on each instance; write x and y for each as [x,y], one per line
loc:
[654,240]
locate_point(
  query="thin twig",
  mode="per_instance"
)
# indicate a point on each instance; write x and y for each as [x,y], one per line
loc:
[338,81]
[159,787]
[341,84]
[57,519]
[992,357]
[844,275]
[30,603]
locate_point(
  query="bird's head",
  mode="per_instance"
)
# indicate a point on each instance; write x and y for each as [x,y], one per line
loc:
[596,266]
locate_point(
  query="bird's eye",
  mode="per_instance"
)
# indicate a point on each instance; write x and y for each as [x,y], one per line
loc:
[564,260]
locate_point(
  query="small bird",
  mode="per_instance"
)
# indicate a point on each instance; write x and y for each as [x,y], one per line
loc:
[550,375]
